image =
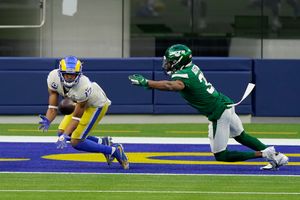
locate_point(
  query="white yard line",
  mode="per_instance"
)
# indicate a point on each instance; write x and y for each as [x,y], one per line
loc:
[146,140]
[154,192]
[148,174]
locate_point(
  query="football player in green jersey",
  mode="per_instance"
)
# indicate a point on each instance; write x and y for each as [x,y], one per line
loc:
[188,79]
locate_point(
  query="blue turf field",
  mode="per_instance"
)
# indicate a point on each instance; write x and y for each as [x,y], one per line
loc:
[144,158]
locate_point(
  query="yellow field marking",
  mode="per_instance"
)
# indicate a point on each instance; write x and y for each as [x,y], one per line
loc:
[94,131]
[28,130]
[151,158]
[274,133]
[116,131]
[292,154]
[250,132]
[187,132]
[13,159]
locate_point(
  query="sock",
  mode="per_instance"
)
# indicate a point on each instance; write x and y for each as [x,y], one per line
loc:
[234,156]
[113,149]
[249,141]
[90,146]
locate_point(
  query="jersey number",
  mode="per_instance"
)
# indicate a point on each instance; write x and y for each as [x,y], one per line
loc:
[210,89]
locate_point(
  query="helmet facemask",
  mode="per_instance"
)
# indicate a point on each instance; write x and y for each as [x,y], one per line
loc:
[169,66]
[69,83]
[70,66]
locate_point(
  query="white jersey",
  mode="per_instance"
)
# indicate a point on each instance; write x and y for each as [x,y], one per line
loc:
[85,90]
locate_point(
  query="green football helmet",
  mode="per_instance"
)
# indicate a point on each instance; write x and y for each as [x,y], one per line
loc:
[176,57]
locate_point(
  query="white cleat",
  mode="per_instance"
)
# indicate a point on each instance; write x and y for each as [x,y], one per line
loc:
[281,159]
[270,166]
[268,153]
[276,159]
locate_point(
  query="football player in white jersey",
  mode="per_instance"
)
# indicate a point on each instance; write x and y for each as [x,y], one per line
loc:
[91,105]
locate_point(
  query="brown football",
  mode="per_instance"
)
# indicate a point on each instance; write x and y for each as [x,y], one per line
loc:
[66,106]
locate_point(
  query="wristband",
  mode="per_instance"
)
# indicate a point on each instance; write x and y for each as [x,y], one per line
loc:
[76,118]
[54,107]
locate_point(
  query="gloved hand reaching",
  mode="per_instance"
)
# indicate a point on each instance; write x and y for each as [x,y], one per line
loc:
[44,123]
[137,79]
[62,141]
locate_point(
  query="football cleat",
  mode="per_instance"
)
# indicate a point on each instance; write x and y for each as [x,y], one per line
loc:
[107,141]
[120,155]
[268,153]
[276,159]
[270,166]
[280,159]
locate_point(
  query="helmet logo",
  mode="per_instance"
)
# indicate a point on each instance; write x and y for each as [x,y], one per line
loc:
[177,53]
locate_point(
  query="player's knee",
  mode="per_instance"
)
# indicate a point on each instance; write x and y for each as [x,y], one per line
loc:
[221,156]
[74,142]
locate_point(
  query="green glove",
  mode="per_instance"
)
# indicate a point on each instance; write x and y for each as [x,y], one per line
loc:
[137,79]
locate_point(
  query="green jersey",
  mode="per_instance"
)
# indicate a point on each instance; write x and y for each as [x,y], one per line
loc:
[200,94]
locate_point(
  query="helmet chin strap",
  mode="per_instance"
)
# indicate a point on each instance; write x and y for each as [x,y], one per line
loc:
[67,85]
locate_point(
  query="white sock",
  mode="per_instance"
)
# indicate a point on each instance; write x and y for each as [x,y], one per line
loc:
[113,149]
[99,140]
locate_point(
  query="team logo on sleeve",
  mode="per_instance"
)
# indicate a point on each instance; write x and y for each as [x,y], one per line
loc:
[54,85]
[88,92]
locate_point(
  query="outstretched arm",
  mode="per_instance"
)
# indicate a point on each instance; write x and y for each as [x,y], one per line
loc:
[166,85]
[139,80]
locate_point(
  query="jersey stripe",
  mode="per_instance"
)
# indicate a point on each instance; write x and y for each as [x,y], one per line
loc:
[92,122]
[180,75]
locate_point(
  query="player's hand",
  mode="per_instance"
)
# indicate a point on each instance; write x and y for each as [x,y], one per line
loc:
[68,138]
[137,79]
[44,123]
[62,141]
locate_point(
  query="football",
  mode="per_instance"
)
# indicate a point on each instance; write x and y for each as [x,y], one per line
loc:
[66,106]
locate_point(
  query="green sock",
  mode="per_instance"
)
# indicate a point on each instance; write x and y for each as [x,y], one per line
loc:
[249,141]
[234,156]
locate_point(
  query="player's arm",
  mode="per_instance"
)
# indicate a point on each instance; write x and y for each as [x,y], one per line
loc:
[52,107]
[166,85]
[77,114]
[139,80]
[51,112]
